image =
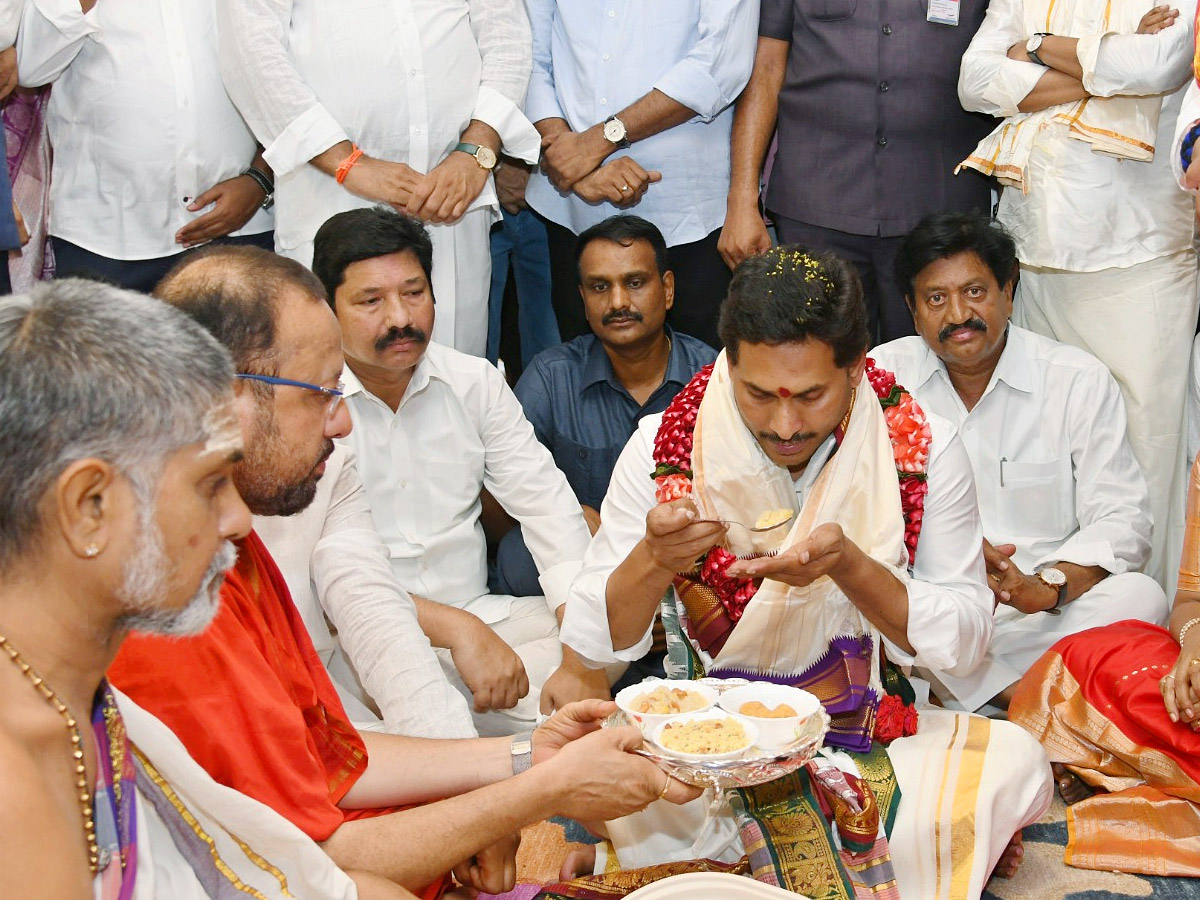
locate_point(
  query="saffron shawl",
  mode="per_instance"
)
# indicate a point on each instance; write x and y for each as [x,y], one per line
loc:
[251,700]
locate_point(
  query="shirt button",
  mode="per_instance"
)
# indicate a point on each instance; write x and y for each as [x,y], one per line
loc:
[882,142]
[605,56]
[883,86]
[611,13]
[581,453]
[887,29]
[604,101]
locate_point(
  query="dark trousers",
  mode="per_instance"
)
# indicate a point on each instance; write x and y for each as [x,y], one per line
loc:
[72,261]
[701,282]
[873,258]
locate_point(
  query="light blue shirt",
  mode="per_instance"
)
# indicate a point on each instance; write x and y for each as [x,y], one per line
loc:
[593,58]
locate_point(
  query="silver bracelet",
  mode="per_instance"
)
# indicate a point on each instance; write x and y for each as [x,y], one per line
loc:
[1184,630]
[522,752]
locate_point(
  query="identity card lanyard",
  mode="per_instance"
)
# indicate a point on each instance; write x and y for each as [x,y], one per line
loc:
[943,12]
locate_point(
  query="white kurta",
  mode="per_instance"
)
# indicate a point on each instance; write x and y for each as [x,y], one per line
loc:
[950,609]
[1056,477]
[139,119]
[400,78]
[1087,211]
[336,566]
[955,762]
[286,862]
[1106,244]
[459,429]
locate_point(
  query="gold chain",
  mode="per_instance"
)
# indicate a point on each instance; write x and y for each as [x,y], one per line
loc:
[846,420]
[81,781]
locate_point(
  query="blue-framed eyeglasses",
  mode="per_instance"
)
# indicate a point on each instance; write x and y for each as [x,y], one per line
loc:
[334,395]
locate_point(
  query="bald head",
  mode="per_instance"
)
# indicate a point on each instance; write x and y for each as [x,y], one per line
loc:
[235,292]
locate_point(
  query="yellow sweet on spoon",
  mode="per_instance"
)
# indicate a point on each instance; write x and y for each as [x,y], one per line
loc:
[773,517]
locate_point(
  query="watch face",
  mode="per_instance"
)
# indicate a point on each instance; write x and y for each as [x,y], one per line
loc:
[1033,44]
[614,131]
[1053,577]
[485,157]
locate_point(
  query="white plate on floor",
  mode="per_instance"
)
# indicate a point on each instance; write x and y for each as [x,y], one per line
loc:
[711,886]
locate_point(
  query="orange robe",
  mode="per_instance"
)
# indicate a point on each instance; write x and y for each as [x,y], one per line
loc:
[251,701]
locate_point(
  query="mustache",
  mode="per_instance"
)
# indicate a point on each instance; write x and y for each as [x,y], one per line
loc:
[621,315]
[224,560]
[407,333]
[326,452]
[974,323]
[796,438]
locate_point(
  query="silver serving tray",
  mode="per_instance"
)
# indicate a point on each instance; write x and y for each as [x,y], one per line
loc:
[757,767]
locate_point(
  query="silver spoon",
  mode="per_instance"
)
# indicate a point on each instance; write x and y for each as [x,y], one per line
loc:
[752,529]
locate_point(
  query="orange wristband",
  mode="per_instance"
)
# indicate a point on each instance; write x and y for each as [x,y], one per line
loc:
[347,164]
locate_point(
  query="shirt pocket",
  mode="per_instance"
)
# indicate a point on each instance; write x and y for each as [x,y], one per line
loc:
[454,481]
[1037,500]
[826,10]
[584,467]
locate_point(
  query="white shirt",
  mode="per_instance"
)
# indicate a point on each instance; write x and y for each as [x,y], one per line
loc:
[949,607]
[10,20]
[1087,211]
[139,120]
[336,565]
[1053,466]
[591,60]
[459,430]
[400,78]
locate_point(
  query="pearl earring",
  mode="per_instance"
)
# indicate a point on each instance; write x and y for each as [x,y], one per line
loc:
[91,550]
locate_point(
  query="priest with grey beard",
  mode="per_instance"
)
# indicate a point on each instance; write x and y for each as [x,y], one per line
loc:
[118,435]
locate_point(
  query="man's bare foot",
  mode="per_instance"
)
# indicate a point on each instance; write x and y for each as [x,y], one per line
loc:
[1070,786]
[578,862]
[1010,859]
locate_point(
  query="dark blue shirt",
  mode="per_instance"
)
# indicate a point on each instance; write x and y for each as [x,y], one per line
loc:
[9,235]
[583,414]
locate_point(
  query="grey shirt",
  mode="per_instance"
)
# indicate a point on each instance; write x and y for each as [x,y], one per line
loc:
[870,126]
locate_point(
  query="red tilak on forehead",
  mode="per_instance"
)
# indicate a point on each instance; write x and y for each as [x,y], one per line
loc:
[784,392]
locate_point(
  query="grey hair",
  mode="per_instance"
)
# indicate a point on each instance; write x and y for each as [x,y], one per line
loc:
[92,371]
